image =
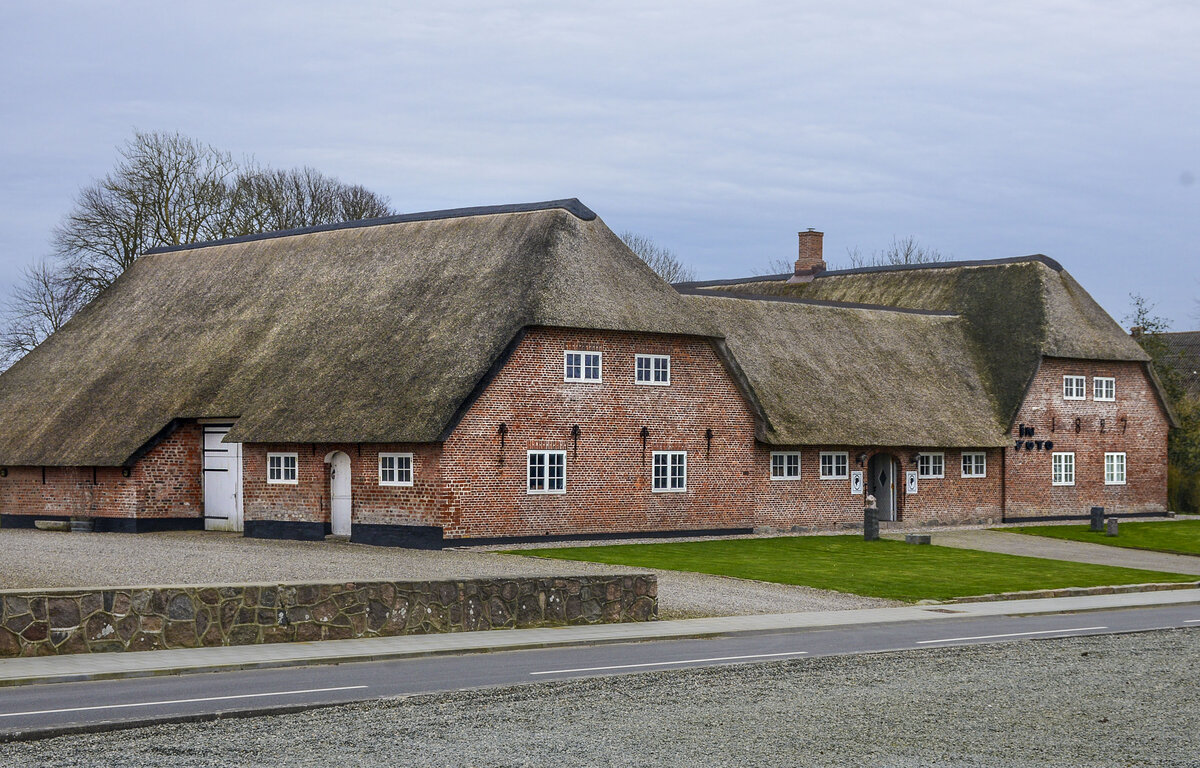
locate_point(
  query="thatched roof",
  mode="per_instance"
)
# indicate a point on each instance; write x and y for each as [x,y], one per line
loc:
[827,374]
[375,331]
[1016,312]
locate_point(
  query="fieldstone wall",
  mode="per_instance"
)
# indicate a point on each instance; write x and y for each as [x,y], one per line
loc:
[56,621]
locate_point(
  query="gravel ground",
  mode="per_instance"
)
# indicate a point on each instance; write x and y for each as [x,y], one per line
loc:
[1124,700]
[47,559]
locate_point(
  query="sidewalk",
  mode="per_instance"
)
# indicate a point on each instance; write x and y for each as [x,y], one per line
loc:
[1061,549]
[96,666]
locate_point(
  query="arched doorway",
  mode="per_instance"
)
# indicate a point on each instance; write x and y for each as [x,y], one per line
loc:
[339,493]
[881,483]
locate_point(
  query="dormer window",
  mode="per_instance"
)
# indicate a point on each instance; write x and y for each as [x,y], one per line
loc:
[1074,387]
[582,366]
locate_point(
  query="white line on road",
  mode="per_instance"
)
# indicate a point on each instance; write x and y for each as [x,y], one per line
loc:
[1010,634]
[1191,621]
[666,663]
[181,701]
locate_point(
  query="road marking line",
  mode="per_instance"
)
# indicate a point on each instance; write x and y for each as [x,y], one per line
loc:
[667,663]
[1191,621]
[180,701]
[1010,634]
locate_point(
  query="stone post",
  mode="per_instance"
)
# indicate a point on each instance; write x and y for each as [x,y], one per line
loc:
[871,520]
[1097,519]
[1112,527]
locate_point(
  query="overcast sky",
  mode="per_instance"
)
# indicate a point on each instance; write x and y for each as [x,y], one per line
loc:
[719,129]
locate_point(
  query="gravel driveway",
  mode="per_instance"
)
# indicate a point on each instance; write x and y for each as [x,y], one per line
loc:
[34,558]
[1118,700]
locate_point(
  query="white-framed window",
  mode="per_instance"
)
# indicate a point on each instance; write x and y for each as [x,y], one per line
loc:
[582,366]
[931,465]
[785,465]
[835,465]
[974,464]
[1062,469]
[1104,388]
[547,472]
[1114,469]
[395,469]
[669,471]
[652,369]
[281,468]
[1074,387]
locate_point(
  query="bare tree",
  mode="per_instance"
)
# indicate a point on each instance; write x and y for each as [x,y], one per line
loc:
[43,299]
[659,258]
[903,250]
[166,189]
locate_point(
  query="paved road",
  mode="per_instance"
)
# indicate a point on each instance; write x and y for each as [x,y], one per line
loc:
[1059,549]
[121,703]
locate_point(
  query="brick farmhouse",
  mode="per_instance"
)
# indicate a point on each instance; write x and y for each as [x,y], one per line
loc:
[517,373]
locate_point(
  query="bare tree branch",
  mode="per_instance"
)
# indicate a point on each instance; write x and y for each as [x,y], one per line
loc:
[661,259]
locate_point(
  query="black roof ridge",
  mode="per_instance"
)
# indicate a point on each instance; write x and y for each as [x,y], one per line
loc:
[687,290]
[571,205]
[1049,262]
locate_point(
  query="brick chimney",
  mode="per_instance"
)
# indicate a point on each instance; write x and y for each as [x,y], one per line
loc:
[811,263]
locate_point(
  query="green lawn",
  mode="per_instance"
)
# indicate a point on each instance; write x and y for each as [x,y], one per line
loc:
[1178,536]
[884,568]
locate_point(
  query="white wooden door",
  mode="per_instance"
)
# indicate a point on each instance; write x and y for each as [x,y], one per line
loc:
[339,494]
[222,480]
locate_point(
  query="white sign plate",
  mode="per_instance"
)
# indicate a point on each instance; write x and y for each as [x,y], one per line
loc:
[910,482]
[856,483]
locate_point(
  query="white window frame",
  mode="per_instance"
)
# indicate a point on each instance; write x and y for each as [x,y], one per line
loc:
[978,459]
[1110,385]
[784,457]
[652,370]
[282,478]
[395,468]
[834,455]
[583,366]
[546,477]
[1065,458]
[1110,464]
[926,459]
[668,478]
[1075,384]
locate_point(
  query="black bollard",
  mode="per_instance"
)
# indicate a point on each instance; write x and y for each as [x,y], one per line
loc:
[1097,519]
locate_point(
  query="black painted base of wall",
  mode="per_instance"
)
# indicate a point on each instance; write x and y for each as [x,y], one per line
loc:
[113,524]
[146,524]
[1077,518]
[409,536]
[617,536]
[26,521]
[285,529]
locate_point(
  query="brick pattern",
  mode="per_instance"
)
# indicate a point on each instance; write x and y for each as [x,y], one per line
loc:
[1134,424]
[166,482]
[811,502]
[309,499]
[608,474]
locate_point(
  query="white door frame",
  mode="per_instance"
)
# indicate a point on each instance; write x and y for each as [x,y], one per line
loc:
[226,458]
[340,499]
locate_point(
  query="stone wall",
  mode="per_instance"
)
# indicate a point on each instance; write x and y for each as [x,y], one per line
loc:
[58,621]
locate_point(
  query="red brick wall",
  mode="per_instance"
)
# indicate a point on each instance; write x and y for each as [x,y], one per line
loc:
[166,482]
[1135,424]
[811,502]
[608,479]
[308,500]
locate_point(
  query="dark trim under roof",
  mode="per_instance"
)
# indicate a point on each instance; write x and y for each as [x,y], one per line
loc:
[570,205]
[1049,262]
[688,291]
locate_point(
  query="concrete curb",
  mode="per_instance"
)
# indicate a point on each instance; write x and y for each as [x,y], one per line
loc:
[1036,594]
